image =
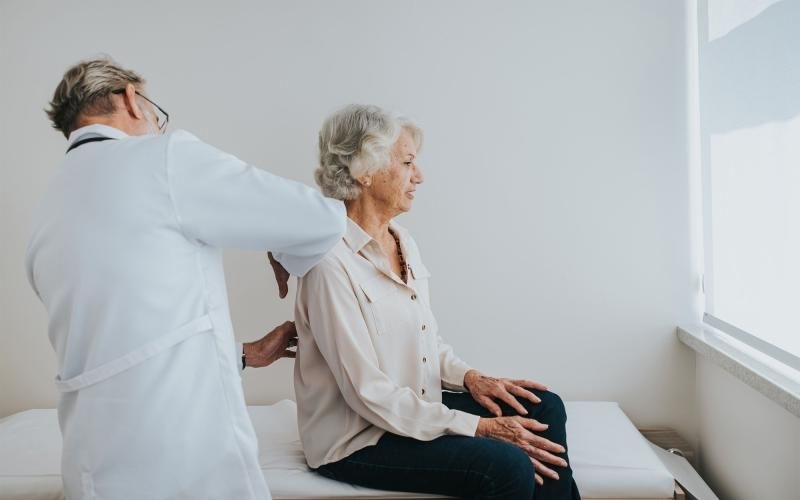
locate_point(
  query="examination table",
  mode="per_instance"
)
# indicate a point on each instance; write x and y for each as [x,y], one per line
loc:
[610,459]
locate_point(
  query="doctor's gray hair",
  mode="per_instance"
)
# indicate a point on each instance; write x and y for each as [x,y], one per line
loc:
[86,89]
[357,141]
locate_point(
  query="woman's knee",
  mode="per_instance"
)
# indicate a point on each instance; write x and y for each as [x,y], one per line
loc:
[551,406]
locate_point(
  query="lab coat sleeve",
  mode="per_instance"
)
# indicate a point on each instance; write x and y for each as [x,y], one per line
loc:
[223,202]
[338,327]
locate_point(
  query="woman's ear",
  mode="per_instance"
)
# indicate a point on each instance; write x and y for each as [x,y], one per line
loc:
[131,106]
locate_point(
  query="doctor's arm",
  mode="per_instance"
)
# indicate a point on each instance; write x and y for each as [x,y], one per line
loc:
[273,346]
[223,202]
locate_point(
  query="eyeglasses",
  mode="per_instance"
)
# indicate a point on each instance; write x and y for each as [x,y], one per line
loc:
[162,117]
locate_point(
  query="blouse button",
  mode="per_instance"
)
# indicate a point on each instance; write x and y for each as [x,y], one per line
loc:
[423,392]
[414,297]
[424,359]
[424,327]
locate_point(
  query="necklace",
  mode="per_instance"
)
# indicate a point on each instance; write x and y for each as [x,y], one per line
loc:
[403,266]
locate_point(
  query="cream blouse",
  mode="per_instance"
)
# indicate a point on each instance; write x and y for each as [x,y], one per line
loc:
[369,356]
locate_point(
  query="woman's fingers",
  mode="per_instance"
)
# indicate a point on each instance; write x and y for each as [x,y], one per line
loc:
[548,458]
[538,464]
[530,384]
[542,469]
[546,444]
[536,476]
[523,393]
[490,405]
[533,425]
[540,447]
[506,397]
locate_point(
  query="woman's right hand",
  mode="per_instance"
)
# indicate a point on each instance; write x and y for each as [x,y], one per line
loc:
[519,431]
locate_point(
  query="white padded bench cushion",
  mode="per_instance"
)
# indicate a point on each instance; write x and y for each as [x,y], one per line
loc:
[610,458]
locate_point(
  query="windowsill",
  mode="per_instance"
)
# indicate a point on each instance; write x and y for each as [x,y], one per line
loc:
[774,380]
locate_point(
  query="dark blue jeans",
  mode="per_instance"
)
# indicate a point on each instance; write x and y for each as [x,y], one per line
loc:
[460,466]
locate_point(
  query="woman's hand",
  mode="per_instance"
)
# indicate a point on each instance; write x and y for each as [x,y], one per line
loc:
[519,431]
[281,275]
[486,390]
[272,347]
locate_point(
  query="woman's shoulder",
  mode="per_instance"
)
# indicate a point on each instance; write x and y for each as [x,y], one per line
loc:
[333,263]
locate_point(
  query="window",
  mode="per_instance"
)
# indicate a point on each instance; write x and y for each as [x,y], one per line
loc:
[750,123]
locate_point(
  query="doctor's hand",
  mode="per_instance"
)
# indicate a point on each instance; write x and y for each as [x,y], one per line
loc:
[272,347]
[519,431]
[486,390]
[281,275]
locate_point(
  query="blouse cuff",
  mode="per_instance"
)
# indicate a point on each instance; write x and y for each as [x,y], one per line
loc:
[465,424]
[453,376]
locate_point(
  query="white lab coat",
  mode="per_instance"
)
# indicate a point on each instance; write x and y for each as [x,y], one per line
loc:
[126,257]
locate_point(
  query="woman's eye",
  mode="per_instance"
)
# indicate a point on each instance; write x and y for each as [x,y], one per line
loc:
[408,163]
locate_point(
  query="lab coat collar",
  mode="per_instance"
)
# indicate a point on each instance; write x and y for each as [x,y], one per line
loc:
[96,130]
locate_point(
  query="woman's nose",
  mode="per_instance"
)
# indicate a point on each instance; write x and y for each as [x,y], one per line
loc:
[418,177]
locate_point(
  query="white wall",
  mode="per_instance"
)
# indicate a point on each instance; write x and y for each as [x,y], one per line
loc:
[554,216]
[749,446]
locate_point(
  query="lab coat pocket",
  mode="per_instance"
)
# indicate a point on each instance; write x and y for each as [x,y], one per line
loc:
[381,295]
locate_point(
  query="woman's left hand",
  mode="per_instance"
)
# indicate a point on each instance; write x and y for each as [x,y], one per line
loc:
[486,390]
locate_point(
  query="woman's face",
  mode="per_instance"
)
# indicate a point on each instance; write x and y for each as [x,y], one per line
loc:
[393,187]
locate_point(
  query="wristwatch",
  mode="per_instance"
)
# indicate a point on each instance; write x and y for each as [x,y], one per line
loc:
[244,361]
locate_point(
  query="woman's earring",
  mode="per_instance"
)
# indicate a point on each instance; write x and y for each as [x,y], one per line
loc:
[367,182]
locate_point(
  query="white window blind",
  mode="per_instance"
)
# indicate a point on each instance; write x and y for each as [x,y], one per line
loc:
[750,121]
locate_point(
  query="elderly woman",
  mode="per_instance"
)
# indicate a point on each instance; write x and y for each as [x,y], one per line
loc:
[371,366]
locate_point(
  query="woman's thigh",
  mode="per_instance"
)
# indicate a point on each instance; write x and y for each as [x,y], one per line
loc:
[466,467]
[549,411]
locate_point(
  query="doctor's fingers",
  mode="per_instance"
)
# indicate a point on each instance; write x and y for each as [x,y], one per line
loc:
[287,329]
[289,354]
[281,275]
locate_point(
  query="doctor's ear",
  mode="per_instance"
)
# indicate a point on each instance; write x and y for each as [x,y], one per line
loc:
[129,100]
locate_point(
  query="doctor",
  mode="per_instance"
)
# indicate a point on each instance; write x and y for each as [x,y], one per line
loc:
[126,255]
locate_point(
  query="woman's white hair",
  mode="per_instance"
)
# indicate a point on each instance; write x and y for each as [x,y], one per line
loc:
[357,141]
